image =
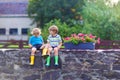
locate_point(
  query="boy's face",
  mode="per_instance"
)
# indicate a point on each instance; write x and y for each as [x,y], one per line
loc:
[36,34]
[52,32]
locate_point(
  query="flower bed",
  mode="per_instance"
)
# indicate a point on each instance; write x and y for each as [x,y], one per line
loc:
[81,41]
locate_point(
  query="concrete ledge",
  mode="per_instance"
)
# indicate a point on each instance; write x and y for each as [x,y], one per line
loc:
[76,65]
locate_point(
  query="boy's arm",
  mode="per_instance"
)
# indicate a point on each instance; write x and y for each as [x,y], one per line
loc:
[43,44]
[30,45]
[60,42]
[48,40]
[59,46]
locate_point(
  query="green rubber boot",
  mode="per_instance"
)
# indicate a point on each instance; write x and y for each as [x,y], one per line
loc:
[56,60]
[48,61]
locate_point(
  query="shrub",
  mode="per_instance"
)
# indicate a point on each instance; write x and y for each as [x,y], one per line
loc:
[64,29]
[81,38]
[101,20]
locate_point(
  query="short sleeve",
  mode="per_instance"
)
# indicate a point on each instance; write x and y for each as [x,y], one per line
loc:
[60,40]
[30,40]
[48,39]
[42,39]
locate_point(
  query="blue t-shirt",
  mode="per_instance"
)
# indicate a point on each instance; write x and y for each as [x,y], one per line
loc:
[36,40]
[54,40]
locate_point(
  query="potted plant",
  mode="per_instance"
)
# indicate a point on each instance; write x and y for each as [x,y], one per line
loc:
[81,41]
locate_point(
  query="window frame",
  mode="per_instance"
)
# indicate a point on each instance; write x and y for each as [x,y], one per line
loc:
[4,31]
[22,33]
[12,33]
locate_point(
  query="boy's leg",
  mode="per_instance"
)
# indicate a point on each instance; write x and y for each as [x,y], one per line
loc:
[45,49]
[48,58]
[44,52]
[56,55]
[32,57]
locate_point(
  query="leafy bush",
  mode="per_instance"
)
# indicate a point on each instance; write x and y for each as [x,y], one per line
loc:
[64,29]
[101,20]
[81,38]
[43,11]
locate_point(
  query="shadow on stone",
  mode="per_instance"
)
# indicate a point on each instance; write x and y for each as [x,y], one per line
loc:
[38,62]
[85,77]
[112,74]
[52,75]
[32,77]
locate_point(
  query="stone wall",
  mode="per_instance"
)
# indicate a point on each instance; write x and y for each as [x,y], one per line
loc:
[74,65]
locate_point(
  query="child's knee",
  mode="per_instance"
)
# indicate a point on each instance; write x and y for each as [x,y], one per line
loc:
[50,49]
[47,45]
[56,49]
[34,49]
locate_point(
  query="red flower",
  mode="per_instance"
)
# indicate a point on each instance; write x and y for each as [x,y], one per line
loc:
[91,36]
[83,39]
[73,35]
[98,40]
[81,34]
[67,38]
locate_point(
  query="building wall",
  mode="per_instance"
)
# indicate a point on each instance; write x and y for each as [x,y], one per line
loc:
[15,22]
[13,14]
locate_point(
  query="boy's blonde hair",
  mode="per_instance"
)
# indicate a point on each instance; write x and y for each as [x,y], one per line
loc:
[36,31]
[53,28]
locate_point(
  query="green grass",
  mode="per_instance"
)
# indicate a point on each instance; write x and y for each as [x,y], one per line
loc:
[26,46]
[1,46]
[17,46]
[13,46]
[62,46]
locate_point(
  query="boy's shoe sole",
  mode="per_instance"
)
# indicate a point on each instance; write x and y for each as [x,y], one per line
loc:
[56,64]
[31,64]
[47,65]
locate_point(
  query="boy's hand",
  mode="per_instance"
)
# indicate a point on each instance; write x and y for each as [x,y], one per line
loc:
[42,46]
[59,47]
[30,45]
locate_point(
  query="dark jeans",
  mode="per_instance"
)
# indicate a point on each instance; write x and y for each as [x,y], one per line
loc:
[37,46]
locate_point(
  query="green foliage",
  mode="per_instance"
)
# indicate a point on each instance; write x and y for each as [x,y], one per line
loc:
[81,38]
[74,41]
[101,20]
[90,39]
[64,29]
[43,11]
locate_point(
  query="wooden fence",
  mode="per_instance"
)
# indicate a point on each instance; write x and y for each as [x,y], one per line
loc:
[104,44]
[13,44]
[107,44]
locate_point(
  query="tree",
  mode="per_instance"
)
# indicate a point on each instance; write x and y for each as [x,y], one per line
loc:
[102,20]
[43,11]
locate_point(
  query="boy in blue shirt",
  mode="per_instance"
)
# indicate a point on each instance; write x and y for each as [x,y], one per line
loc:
[35,42]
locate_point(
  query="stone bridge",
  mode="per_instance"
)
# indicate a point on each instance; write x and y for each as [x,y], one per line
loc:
[74,65]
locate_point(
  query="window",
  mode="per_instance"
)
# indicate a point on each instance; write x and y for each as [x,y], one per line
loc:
[2,31]
[13,31]
[24,31]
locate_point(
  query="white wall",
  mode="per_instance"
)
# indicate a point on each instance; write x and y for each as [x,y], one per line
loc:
[20,22]
[14,37]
